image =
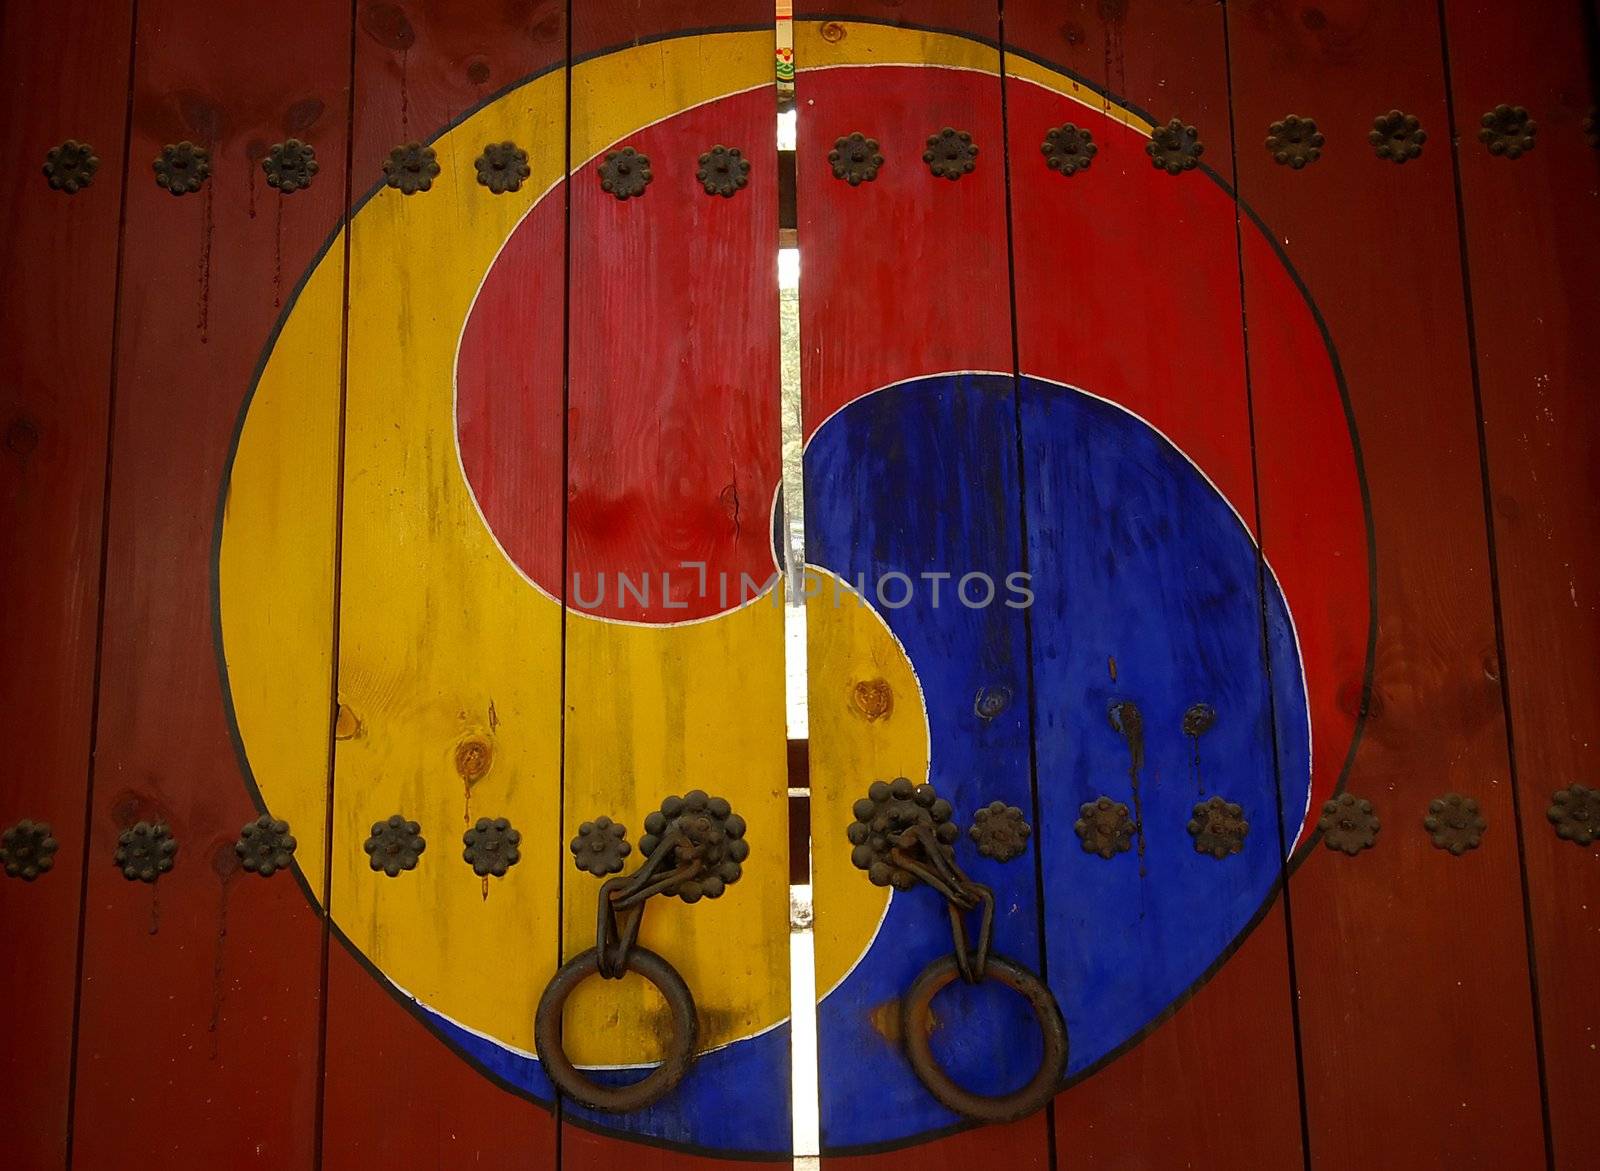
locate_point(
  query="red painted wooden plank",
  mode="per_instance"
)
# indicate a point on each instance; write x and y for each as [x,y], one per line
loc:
[200,1002]
[1238,1104]
[1532,257]
[902,277]
[673,454]
[1400,946]
[66,76]
[394,1088]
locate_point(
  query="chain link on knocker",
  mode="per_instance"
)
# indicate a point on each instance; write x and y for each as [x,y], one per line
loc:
[918,851]
[622,900]
[904,834]
[693,849]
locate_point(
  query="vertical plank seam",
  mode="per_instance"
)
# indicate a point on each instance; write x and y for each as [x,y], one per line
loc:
[1022,549]
[319,1113]
[1502,661]
[1284,868]
[557,1107]
[100,604]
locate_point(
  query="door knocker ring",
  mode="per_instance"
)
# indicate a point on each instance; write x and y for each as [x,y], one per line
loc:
[904,834]
[693,848]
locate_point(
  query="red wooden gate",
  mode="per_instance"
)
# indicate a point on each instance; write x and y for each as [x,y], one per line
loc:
[1197,496]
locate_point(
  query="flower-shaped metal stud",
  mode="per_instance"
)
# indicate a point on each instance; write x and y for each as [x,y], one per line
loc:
[502,167]
[1294,142]
[1575,812]
[1454,823]
[1507,131]
[1175,147]
[27,850]
[951,153]
[999,831]
[265,846]
[855,159]
[410,168]
[625,173]
[290,165]
[723,170]
[145,851]
[883,819]
[70,167]
[1105,827]
[1348,823]
[395,845]
[709,832]
[1068,149]
[1397,136]
[491,847]
[1218,827]
[182,167]
[600,846]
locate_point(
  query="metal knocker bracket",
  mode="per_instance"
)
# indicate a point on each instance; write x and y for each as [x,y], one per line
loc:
[693,849]
[903,835]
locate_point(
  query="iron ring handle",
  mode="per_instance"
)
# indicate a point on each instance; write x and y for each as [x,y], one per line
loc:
[915,1009]
[682,1038]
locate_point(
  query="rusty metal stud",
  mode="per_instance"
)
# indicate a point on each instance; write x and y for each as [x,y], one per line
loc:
[290,165]
[1348,823]
[951,153]
[145,851]
[1454,824]
[1175,147]
[625,173]
[410,168]
[723,170]
[600,846]
[502,167]
[1218,827]
[395,845]
[28,849]
[70,167]
[855,159]
[265,846]
[1575,813]
[1105,827]
[711,833]
[885,814]
[182,167]
[1507,131]
[999,831]
[491,847]
[1068,149]
[1295,141]
[1397,136]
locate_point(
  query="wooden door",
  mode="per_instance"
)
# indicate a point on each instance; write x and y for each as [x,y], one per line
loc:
[1193,442]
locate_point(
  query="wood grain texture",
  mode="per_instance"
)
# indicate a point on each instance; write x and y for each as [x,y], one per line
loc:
[903,277]
[66,76]
[394,1088]
[212,975]
[672,463]
[1397,947]
[1531,254]
[1240,1105]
